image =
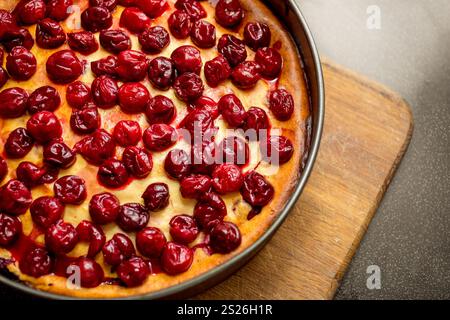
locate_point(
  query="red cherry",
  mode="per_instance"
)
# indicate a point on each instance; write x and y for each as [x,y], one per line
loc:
[161,73]
[183,229]
[64,67]
[160,109]
[134,20]
[132,217]
[156,196]
[232,48]
[188,86]
[217,70]
[209,210]
[61,237]
[3,77]
[159,136]
[132,66]
[2,54]
[91,273]
[97,147]
[114,41]
[150,242]
[45,98]
[59,9]
[18,143]
[44,126]
[180,24]
[15,198]
[138,162]
[281,104]
[197,122]
[207,104]
[256,190]
[7,22]
[13,102]
[89,232]
[133,272]
[277,150]
[203,34]
[30,11]
[187,59]
[193,186]
[78,94]
[270,61]
[10,230]
[104,208]
[154,40]
[229,13]
[257,35]
[30,174]
[49,34]
[133,97]
[86,120]
[21,64]
[105,92]
[118,249]
[70,189]
[108,4]
[36,262]
[246,74]
[58,154]
[105,67]
[3,168]
[14,37]
[176,258]
[203,157]
[258,121]
[46,211]
[232,110]
[95,19]
[192,7]
[177,163]
[225,237]
[152,8]
[127,3]
[113,174]
[127,133]
[227,178]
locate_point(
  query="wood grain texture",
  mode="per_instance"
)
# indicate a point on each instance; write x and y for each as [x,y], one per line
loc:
[367,130]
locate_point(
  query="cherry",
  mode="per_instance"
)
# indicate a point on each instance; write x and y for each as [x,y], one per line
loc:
[152,8]
[150,242]
[256,190]
[30,11]
[70,189]
[93,234]
[161,73]
[21,63]
[217,70]
[207,104]
[176,258]
[105,66]
[3,168]
[133,97]
[154,40]
[232,48]
[277,150]
[97,147]
[133,272]
[127,3]
[192,7]
[138,162]
[209,210]
[10,230]
[281,104]
[2,54]
[246,74]
[160,109]
[61,237]
[104,208]
[95,19]
[156,196]
[108,4]
[159,136]
[30,174]
[193,186]
[64,67]
[3,77]
[83,41]
[118,249]
[180,24]
[50,174]
[258,121]
[134,20]
[132,217]
[58,154]
[13,102]
[90,272]
[229,13]
[44,126]
[132,66]
[7,22]
[177,163]
[17,37]
[257,35]
[127,133]
[232,110]
[224,237]
[114,41]
[86,120]
[187,59]
[183,229]
[270,61]
[105,92]
[197,122]
[18,143]
[78,94]
[49,34]
[45,98]
[203,34]
[188,86]
[36,262]
[203,157]
[59,9]
[233,150]
[113,173]
[46,211]
[227,178]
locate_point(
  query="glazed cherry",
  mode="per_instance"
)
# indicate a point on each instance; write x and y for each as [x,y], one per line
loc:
[257,35]
[160,109]
[154,40]
[133,272]
[133,97]
[3,168]
[3,77]
[203,34]
[105,67]
[36,262]
[127,133]
[89,232]
[183,229]
[97,147]
[118,249]
[10,230]
[209,210]
[64,67]
[46,211]
[197,122]
[232,110]
[180,24]
[44,126]
[58,154]
[152,8]
[138,162]
[78,94]
[18,143]
[86,120]
[281,104]
[257,123]
[150,242]
[132,66]
[83,42]
[30,174]
[127,3]
[2,54]
[246,74]
[21,64]
[229,13]
[225,237]
[59,9]
[113,174]
[30,12]
[17,37]
[108,4]
[95,19]
[114,41]
[13,102]
[192,7]
[193,186]
[177,163]
[15,198]
[187,59]
[156,196]
[233,150]
[176,258]
[207,104]
[161,73]
[90,272]
[203,157]
[217,70]
[188,86]
[7,22]
[270,61]
[232,48]
[45,98]
[49,34]
[159,136]
[256,190]
[227,178]
[135,20]
[61,237]
[132,217]
[105,92]
[104,208]
[277,150]
[70,189]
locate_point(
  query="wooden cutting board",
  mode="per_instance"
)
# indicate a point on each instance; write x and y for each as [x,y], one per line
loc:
[367,131]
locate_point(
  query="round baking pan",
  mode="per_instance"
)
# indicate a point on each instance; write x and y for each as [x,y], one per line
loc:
[289,13]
